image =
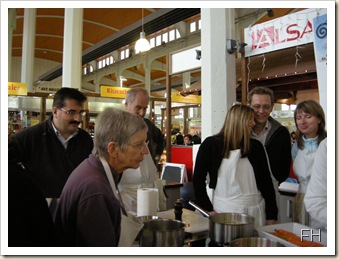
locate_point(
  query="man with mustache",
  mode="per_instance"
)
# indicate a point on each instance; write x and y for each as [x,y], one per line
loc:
[52,149]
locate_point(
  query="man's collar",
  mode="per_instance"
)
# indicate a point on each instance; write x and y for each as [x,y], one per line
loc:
[57,132]
[267,124]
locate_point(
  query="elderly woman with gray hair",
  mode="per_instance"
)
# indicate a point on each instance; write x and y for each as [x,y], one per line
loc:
[89,212]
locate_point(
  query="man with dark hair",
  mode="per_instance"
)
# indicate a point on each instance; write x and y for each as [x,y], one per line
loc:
[274,137]
[52,149]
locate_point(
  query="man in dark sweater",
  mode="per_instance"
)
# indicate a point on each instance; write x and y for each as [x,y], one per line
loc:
[136,102]
[30,223]
[52,149]
[273,136]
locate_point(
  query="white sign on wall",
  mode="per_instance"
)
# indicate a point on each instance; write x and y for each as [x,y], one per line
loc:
[284,32]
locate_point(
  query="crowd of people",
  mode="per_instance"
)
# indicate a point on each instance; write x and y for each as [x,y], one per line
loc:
[79,190]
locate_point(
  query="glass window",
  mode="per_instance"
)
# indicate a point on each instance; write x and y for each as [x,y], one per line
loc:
[177,34]
[171,35]
[193,27]
[158,43]
[100,64]
[152,42]
[109,60]
[165,37]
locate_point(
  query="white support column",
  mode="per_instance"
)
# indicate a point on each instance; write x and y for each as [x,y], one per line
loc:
[28,52]
[218,68]
[72,50]
[11,27]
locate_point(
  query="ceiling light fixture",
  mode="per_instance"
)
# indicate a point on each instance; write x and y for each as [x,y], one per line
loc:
[142,44]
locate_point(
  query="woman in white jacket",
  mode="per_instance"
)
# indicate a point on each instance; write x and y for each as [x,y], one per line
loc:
[309,118]
[316,195]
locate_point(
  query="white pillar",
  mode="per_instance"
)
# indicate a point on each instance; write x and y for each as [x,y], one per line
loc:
[72,50]
[218,68]
[28,48]
[11,27]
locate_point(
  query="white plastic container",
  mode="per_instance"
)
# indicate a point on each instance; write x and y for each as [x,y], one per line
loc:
[289,187]
[306,232]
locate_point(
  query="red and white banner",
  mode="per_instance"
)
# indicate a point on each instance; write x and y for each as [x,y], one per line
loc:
[284,32]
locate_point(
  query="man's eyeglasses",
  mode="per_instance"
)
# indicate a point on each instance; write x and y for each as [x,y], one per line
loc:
[73,112]
[265,107]
[141,147]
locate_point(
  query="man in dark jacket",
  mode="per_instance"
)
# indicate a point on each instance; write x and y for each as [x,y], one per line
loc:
[52,149]
[274,137]
[136,102]
[30,223]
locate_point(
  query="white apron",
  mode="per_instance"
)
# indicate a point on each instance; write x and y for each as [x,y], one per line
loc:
[130,226]
[302,167]
[132,179]
[236,190]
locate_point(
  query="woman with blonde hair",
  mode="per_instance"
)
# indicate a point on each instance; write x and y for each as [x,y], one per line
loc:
[237,169]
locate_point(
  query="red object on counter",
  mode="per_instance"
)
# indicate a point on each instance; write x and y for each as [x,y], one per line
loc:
[183,155]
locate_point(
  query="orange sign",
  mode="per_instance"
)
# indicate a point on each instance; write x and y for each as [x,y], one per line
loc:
[15,88]
[113,91]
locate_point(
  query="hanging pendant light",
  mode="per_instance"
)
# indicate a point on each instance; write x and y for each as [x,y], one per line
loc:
[142,44]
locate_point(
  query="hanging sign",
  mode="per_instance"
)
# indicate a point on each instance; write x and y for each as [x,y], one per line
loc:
[114,91]
[47,89]
[15,88]
[178,98]
[288,31]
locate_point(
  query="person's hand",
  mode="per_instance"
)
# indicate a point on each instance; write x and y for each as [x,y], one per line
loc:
[271,222]
[213,212]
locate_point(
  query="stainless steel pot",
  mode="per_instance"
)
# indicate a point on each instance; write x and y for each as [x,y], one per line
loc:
[253,242]
[224,227]
[162,232]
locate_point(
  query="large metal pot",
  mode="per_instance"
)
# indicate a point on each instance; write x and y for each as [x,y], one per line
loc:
[253,242]
[162,232]
[224,227]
